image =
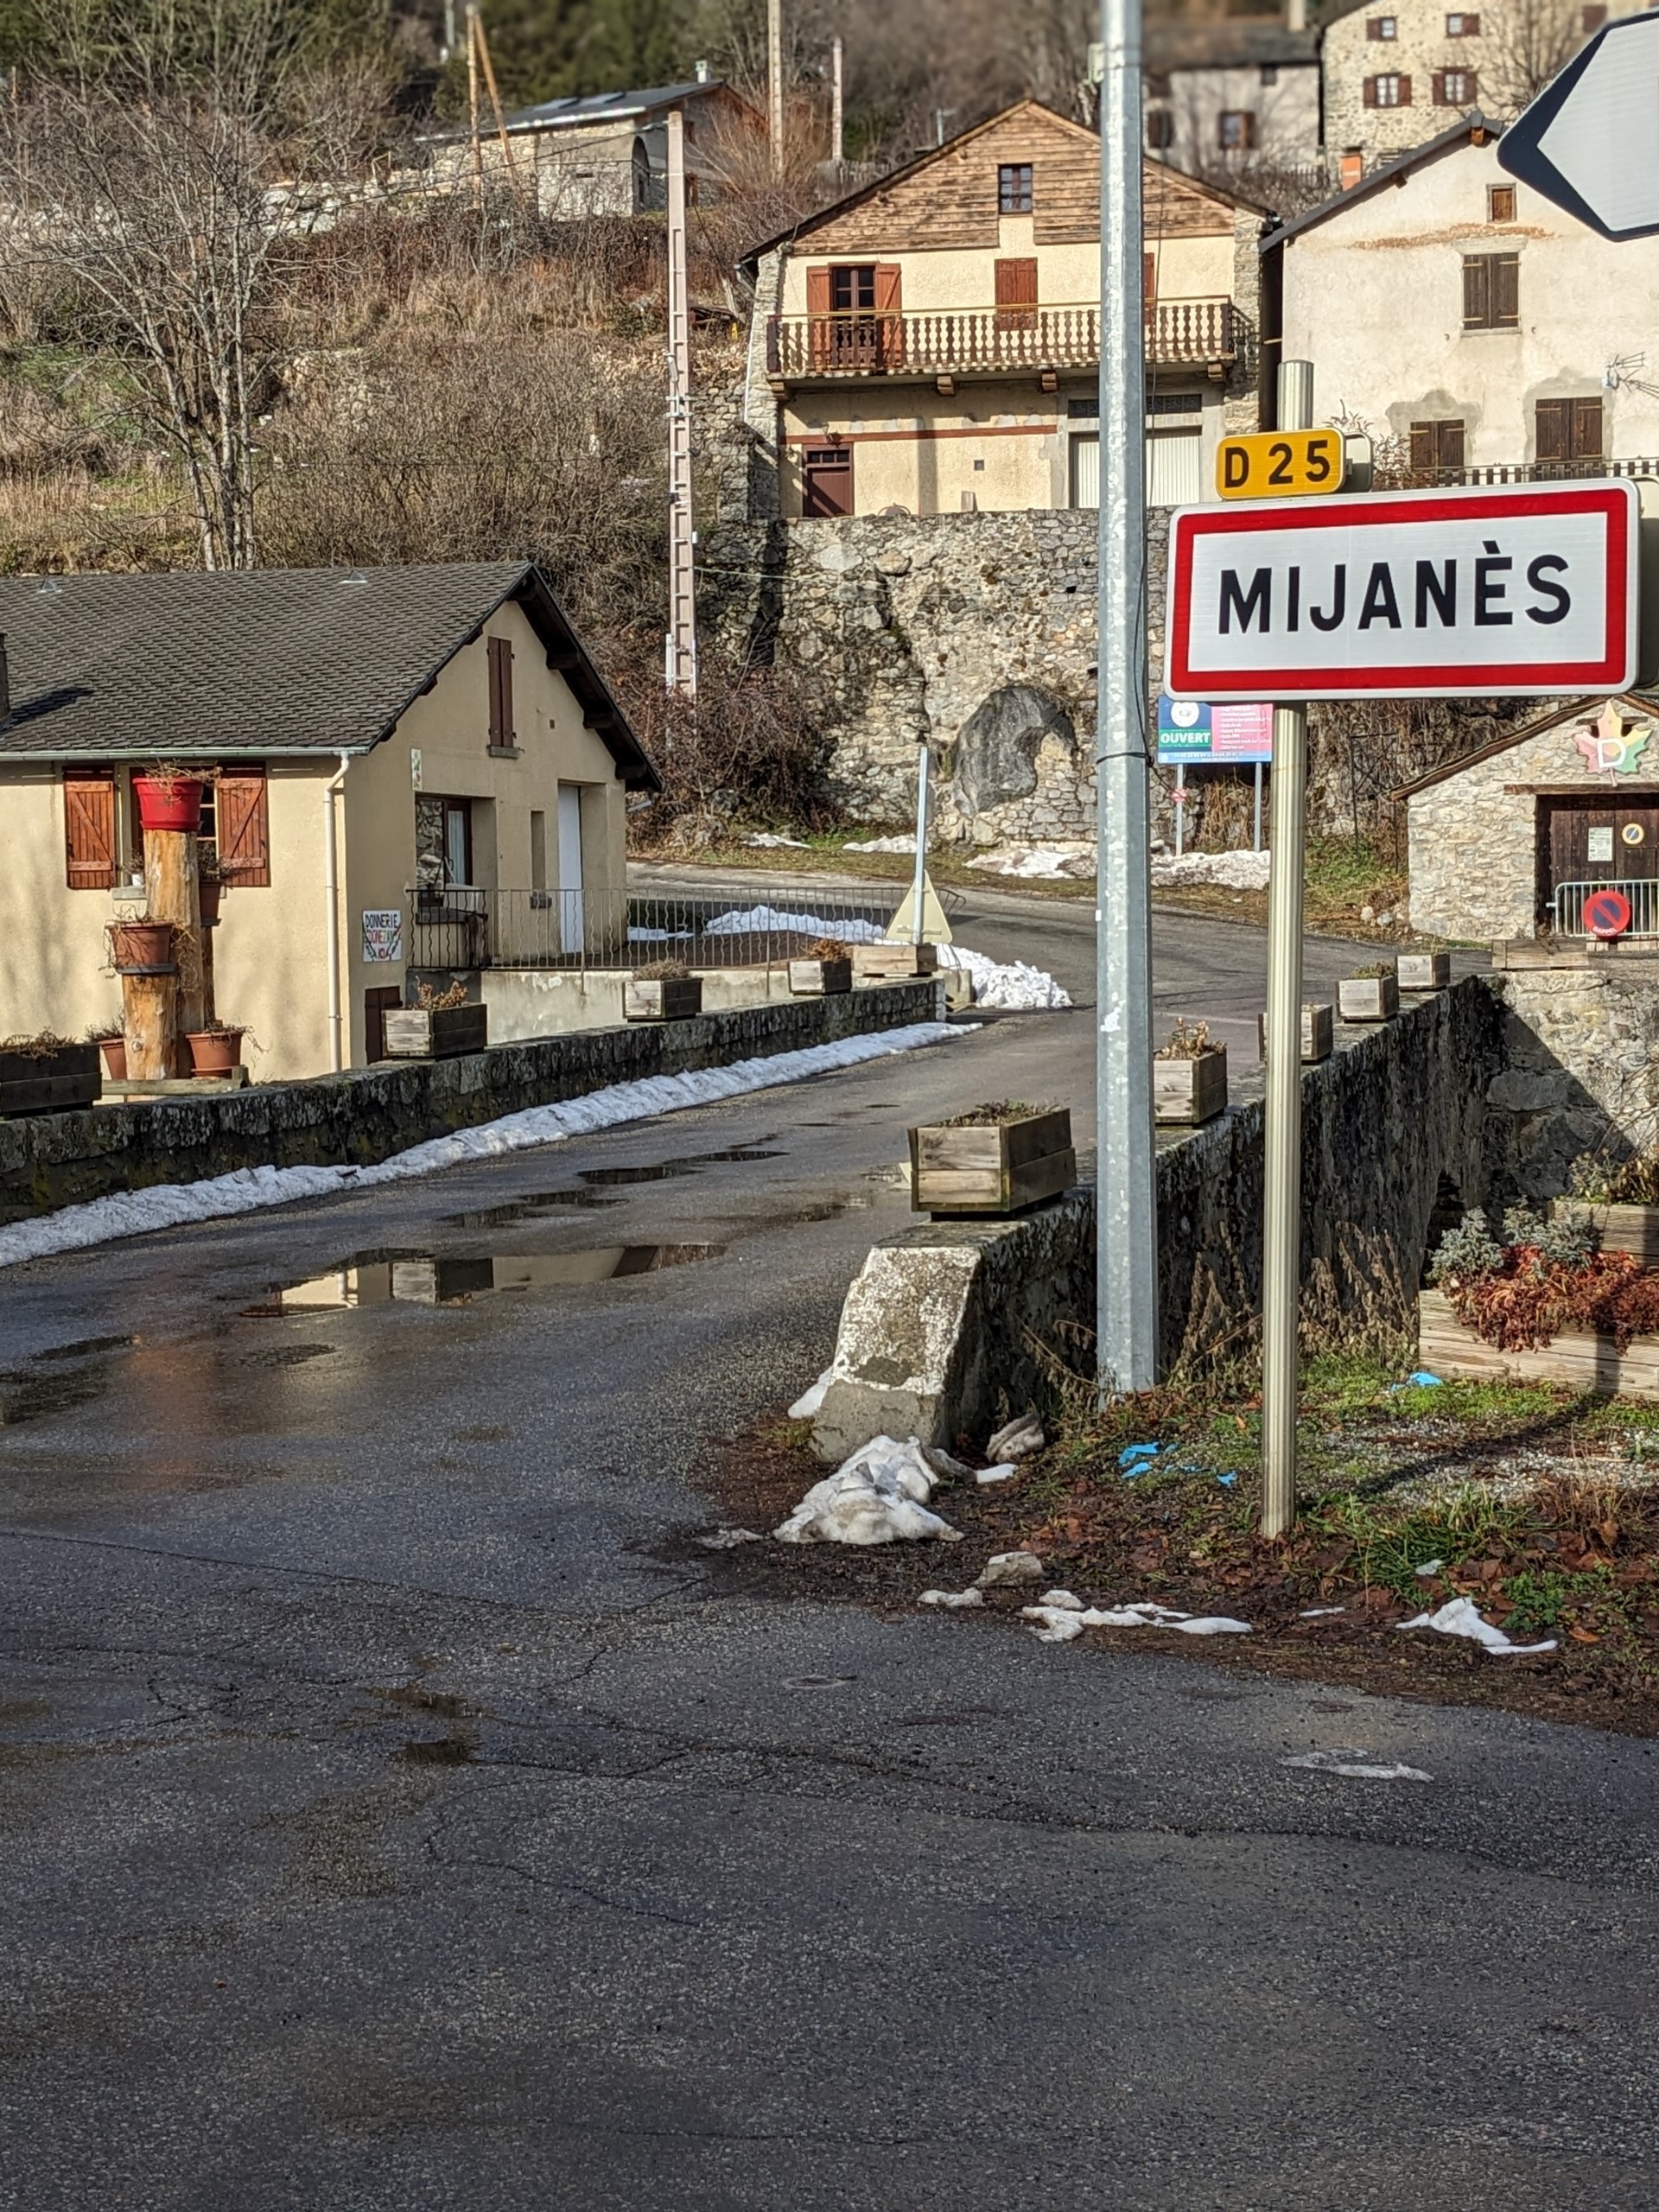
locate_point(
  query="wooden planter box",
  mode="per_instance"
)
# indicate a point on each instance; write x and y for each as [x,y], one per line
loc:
[1368,998]
[998,1168]
[442,1032]
[663,999]
[54,1082]
[811,979]
[1627,1229]
[888,963]
[1319,1030]
[1190,1090]
[1575,1358]
[1424,971]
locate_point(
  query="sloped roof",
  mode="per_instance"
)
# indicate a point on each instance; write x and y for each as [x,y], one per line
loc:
[1566,710]
[583,108]
[1228,44]
[264,661]
[1473,127]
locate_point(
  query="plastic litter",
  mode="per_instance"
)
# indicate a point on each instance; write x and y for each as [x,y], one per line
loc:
[1059,1624]
[1320,1612]
[953,1599]
[1135,1459]
[1003,1474]
[1429,1568]
[1018,1441]
[1008,1569]
[1227,1482]
[728,1540]
[1065,1600]
[878,1496]
[1461,1617]
[810,1404]
[1358,1765]
[1422,1380]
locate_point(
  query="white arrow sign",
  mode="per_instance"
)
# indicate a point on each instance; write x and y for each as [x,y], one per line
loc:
[1590,141]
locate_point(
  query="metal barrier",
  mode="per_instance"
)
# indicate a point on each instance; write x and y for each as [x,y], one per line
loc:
[1642,893]
[460,927]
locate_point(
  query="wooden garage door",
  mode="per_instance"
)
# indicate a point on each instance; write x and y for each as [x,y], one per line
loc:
[1604,837]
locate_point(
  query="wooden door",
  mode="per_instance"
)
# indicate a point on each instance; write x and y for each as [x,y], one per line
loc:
[377,1003]
[827,480]
[1610,836]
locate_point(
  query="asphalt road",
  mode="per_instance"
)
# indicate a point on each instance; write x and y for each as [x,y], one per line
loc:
[394,1817]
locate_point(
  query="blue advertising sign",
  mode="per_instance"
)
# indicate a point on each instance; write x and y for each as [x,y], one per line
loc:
[1193,731]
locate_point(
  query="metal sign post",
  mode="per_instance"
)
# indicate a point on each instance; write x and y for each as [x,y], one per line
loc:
[681,669]
[1126,1227]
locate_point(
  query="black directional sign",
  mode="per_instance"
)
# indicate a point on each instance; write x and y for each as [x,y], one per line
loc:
[1590,140]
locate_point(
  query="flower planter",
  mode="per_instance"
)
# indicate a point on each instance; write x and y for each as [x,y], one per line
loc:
[662,999]
[114,1049]
[1190,1090]
[889,964]
[171,804]
[992,1167]
[214,1051]
[1424,971]
[57,1082]
[1368,998]
[438,1033]
[1627,1229]
[211,890]
[1318,1027]
[811,979]
[1578,1358]
[142,948]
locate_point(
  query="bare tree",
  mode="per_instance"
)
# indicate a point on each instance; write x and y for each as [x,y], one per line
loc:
[1529,42]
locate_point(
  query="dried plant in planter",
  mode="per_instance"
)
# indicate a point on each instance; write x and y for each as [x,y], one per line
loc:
[661,971]
[1374,973]
[435,1001]
[827,948]
[1520,1294]
[1188,1040]
[1632,1182]
[41,1047]
[103,1033]
[992,1114]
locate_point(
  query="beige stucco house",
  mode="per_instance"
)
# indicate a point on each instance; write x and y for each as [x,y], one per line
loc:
[1228,97]
[932,342]
[1456,315]
[416,768]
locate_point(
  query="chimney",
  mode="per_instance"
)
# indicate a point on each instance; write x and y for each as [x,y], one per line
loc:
[703,73]
[1295,14]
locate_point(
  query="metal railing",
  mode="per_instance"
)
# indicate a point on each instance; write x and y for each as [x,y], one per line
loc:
[460,928]
[1642,892]
[1514,471]
[980,342]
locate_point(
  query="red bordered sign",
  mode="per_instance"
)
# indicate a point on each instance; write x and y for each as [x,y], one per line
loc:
[1530,591]
[1607,913]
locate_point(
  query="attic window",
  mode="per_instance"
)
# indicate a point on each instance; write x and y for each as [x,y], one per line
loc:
[1013,188]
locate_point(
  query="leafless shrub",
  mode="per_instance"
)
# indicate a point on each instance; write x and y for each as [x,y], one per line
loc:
[747,748]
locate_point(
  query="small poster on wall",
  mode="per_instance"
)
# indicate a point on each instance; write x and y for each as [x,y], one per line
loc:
[383,933]
[1216,736]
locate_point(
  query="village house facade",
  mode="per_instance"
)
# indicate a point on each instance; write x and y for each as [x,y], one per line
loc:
[414,768]
[1230,96]
[1467,323]
[929,345]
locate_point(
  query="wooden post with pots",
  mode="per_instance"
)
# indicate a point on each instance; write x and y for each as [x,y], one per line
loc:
[142,952]
[173,893]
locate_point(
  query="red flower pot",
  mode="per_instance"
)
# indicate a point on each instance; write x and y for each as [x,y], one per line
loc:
[114,1049]
[142,948]
[214,1051]
[211,890]
[175,804]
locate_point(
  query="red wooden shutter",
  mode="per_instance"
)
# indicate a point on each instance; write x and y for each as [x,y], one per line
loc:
[817,289]
[1149,281]
[242,827]
[501,732]
[820,331]
[889,302]
[89,828]
[1016,295]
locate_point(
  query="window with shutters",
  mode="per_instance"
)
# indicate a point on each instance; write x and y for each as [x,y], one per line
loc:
[1592,19]
[1388,91]
[1492,291]
[89,828]
[1463,27]
[1568,431]
[1437,448]
[239,826]
[1500,203]
[1454,88]
[1016,295]
[1384,27]
[1015,193]
[501,729]
[1236,128]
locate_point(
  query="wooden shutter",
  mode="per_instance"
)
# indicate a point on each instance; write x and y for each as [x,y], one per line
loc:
[1374,27]
[1554,422]
[1506,290]
[501,732]
[1404,98]
[1477,291]
[1437,83]
[889,304]
[1016,294]
[1471,27]
[1149,281]
[242,827]
[89,828]
[820,331]
[817,289]
[1371,91]
[1586,429]
[1450,445]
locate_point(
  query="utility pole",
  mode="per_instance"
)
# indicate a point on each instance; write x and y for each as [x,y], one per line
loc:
[681,668]
[476,24]
[471,113]
[837,132]
[775,82]
[1125,1225]
[1281,1222]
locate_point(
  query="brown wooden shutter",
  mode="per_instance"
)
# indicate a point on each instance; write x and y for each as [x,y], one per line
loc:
[1016,295]
[817,289]
[242,827]
[89,828]
[1471,27]
[1438,88]
[501,732]
[1374,27]
[1371,91]
[889,287]
[1554,422]
[820,331]
[1404,100]
[1470,88]
[1477,291]
[1506,289]
[1586,429]
[1149,281]
[1450,445]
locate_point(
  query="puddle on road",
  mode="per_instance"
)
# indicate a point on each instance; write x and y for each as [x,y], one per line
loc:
[426,1279]
[538,1203]
[27,1394]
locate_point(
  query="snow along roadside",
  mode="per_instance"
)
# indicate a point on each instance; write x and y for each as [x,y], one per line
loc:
[170,1206]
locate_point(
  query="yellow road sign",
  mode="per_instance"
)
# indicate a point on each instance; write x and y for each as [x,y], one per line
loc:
[1280,464]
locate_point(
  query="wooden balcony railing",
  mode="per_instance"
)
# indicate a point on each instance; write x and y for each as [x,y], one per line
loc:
[987,341]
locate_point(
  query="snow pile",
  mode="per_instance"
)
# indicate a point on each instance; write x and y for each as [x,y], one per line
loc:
[1006,1568]
[757,921]
[1358,1765]
[955,1599]
[1004,988]
[810,1404]
[880,844]
[171,1205]
[1060,1617]
[1035,861]
[1017,1439]
[771,837]
[1234,871]
[879,1495]
[728,1540]
[1461,1617]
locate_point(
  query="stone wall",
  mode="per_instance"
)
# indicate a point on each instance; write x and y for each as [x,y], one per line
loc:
[1581,1061]
[366,1114]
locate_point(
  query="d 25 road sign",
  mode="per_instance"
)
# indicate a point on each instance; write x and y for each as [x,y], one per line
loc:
[1280,464]
[1522,592]
[1589,141]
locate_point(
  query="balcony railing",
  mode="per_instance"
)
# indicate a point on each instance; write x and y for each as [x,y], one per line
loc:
[1511,471]
[988,341]
[460,928]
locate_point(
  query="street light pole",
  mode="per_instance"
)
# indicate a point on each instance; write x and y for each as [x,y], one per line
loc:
[1125,1264]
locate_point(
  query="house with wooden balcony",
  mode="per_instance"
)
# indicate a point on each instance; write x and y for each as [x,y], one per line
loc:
[931,344]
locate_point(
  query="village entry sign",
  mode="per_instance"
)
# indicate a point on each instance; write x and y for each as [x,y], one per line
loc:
[1524,591]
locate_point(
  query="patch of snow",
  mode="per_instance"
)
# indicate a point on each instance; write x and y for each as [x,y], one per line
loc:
[1037,862]
[755,921]
[1005,986]
[656,936]
[810,1404]
[1461,1617]
[880,844]
[1320,1612]
[1060,1623]
[728,1540]
[954,1598]
[1358,1765]
[771,837]
[877,1496]
[1004,1568]
[1240,871]
[1063,1601]
[171,1205]
[1018,1439]
[988,1475]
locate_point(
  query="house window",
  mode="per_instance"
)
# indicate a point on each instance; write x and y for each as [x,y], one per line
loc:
[851,289]
[235,815]
[1593,19]
[1500,203]
[1014,189]
[1267,75]
[1381,27]
[1492,291]
[89,828]
[1161,129]
[1463,27]
[1454,88]
[457,841]
[1237,130]
[1437,448]
[827,480]
[501,729]
[1568,431]
[1388,91]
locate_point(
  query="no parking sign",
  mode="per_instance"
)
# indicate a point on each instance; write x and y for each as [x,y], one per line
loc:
[1606,914]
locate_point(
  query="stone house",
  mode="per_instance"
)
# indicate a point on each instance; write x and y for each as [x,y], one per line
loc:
[415,768]
[1483,334]
[1511,841]
[1230,96]
[929,343]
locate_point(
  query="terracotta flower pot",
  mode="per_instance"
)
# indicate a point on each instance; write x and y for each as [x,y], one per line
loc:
[175,804]
[114,1049]
[214,1051]
[142,948]
[211,890]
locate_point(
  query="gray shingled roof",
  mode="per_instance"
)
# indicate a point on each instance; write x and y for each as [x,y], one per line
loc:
[263,661]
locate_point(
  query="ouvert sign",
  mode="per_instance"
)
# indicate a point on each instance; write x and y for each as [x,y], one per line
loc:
[1526,591]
